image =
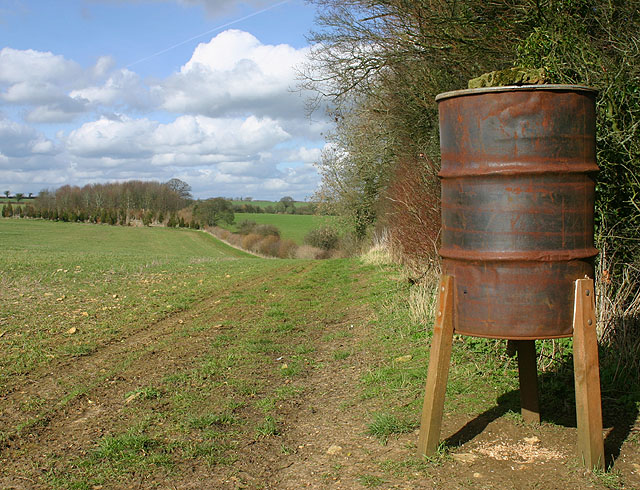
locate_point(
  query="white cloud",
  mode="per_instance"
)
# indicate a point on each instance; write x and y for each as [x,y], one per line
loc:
[23,180]
[233,74]
[236,127]
[122,88]
[28,159]
[235,152]
[196,140]
[217,156]
[66,109]
[44,83]
[304,154]
[126,138]
[300,181]
[31,91]
[28,65]
[102,67]
[17,140]
[222,180]
[254,169]
[187,141]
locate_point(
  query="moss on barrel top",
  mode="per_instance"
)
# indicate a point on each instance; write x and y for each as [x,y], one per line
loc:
[510,76]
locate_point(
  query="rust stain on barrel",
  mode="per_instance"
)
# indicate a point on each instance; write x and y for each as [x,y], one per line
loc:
[517,206]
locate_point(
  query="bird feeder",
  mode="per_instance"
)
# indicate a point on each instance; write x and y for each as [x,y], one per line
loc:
[517,175]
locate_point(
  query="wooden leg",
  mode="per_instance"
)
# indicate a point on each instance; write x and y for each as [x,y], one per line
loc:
[587,376]
[528,375]
[439,359]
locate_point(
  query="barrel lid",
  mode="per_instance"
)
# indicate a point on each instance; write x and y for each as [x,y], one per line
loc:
[515,88]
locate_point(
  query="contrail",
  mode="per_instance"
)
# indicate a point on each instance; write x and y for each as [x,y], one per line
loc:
[275,5]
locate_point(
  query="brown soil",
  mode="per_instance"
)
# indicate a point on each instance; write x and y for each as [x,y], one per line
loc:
[324,429]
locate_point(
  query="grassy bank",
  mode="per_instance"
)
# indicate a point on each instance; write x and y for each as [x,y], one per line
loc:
[292,226]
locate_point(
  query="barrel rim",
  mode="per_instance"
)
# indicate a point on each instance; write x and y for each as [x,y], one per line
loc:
[510,336]
[515,88]
[534,256]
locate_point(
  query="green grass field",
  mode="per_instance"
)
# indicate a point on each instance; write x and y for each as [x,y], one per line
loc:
[57,276]
[115,242]
[161,358]
[292,226]
[264,204]
[13,200]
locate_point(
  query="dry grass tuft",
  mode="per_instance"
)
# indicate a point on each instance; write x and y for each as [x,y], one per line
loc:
[269,245]
[380,252]
[250,241]
[378,255]
[618,310]
[308,252]
[423,297]
[287,249]
[423,293]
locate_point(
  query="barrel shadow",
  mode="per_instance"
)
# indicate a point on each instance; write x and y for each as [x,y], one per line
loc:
[619,406]
[509,401]
[557,399]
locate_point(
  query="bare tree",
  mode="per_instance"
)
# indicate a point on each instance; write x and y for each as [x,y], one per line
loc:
[180,187]
[379,65]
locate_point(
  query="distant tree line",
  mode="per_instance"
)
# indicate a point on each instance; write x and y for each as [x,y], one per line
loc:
[169,203]
[18,196]
[131,195]
[111,203]
[286,205]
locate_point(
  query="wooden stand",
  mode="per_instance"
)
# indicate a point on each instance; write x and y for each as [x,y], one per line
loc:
[438,371]
[586,371]
[528,377]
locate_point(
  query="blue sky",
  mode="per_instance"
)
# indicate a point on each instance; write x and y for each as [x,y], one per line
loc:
[106,90]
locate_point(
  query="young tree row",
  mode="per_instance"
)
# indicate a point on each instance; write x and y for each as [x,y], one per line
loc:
[132,195]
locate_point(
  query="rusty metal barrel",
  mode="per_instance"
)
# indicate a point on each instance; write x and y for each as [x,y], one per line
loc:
[518,188]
